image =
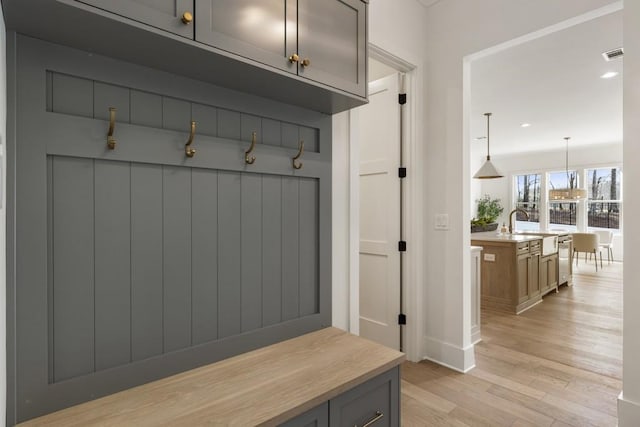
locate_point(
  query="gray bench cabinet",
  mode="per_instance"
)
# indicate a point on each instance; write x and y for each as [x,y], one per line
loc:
[373,403]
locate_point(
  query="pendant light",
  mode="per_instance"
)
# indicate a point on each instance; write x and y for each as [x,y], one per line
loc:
[488,171]
[567,193]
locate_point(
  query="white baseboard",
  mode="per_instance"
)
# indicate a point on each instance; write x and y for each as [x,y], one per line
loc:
[628,412]
[457,358]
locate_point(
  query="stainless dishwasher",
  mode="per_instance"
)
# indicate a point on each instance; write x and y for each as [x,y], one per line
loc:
[564,260]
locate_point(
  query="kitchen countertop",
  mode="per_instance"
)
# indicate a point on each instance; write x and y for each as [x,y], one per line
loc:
[493,236]
[263,387]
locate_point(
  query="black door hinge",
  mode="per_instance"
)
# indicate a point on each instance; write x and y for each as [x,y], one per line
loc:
[402,246]
[402,172]
[402,98]
[402,319]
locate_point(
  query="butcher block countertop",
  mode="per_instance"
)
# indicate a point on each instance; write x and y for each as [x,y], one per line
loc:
[263,387]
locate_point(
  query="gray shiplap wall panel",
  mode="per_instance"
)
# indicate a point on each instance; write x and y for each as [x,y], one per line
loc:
[112,264]
[176,114]
[206,118]
[308,246]
[146,261]
[72,95]
[52,364]
[249,124]
[290,135]
[271,132]
[290,249]
[271,250]
[176,214]
[310,138]
[204,202]
[73,268]
[229,262]
[146,109]
[251,251]
[105,96]
[228,124]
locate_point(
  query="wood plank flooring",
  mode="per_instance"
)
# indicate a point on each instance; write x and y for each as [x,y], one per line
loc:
[558,364]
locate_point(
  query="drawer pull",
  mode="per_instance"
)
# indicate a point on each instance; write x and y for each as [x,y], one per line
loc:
[378,416]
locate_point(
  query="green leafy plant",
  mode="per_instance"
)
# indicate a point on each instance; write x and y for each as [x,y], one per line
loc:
[489,209]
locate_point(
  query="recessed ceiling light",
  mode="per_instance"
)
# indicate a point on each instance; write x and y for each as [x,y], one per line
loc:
[525,125]
[609,74]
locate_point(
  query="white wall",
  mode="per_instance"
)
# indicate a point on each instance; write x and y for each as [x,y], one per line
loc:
[455,29]
[3,222]
[629,402]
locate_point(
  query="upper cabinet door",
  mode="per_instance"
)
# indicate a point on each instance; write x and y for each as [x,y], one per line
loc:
[332,39]
[264,31]
[164,14]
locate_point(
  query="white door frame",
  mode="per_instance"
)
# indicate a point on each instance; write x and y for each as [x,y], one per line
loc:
[412,209]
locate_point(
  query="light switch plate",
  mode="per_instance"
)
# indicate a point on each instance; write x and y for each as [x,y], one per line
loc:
[442,222]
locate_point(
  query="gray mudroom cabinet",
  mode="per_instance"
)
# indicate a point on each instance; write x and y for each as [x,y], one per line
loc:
[303,52]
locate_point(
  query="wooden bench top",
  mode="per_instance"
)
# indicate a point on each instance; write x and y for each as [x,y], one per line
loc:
[263,387]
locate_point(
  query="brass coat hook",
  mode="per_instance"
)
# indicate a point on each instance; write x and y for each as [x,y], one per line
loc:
[296,163]
[190,152]
[249,160]
[111,142]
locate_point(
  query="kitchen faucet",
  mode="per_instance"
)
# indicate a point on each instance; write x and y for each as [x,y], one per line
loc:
[511,218]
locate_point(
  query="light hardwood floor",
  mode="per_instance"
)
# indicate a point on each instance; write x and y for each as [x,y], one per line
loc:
[557,364]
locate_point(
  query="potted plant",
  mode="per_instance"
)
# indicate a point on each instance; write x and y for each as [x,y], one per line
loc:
[489,209]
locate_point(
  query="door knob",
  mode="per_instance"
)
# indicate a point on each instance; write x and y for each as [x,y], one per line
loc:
[187,18]
[305,62]
[294,58]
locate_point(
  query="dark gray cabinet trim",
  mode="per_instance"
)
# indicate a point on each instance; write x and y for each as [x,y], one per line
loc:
[78,25]
[35,135]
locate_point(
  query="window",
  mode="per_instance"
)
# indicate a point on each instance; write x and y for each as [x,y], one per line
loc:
[563,214]
[528,199]
[604,197]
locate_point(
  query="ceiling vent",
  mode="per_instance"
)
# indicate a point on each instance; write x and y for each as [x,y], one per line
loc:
[610,55]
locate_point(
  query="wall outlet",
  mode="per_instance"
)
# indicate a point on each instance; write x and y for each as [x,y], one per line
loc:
[442,222]
[490,257]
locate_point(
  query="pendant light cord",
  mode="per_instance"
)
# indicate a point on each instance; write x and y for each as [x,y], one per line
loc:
[566,162]
[488,115]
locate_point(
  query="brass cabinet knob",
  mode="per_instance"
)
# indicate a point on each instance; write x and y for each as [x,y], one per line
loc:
[305,62]
[187,18]
[294,58]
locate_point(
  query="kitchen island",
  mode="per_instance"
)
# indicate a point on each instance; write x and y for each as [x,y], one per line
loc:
[518,269]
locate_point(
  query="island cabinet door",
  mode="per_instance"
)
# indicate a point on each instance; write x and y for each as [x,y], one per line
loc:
[523,277]
[175,16]
[544,274]
[534,275]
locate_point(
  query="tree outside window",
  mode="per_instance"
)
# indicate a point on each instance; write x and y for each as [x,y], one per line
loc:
[528,196]
[604,197]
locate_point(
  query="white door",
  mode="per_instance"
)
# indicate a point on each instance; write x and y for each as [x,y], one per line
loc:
[379,139]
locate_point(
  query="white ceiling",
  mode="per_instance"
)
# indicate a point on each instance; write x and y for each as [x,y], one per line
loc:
[428,3]
[554,84]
